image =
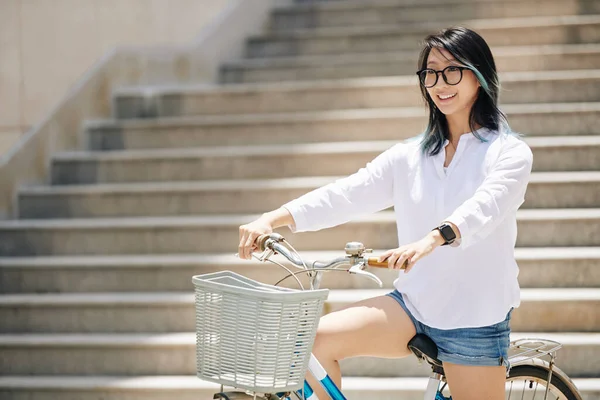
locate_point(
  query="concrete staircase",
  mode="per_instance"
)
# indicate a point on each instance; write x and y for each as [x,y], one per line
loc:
[95,274]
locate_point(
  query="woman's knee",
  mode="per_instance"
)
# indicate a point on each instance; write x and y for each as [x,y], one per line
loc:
[327,342]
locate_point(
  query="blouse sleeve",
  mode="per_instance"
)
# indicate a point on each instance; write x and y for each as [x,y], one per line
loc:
[502,192]
[367,191]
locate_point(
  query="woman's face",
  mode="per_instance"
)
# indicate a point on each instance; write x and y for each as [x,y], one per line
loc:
[463,94]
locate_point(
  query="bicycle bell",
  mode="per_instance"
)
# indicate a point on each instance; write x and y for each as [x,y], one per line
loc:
[356,249]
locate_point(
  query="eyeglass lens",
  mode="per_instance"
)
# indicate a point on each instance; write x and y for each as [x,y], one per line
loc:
[452,76]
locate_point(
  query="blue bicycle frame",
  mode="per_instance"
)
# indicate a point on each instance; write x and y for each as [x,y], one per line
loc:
[316,369]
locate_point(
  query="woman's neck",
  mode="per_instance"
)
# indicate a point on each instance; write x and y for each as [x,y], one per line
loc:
[459,128]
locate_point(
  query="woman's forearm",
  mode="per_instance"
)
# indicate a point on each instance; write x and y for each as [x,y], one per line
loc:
[436,237]
[279,217]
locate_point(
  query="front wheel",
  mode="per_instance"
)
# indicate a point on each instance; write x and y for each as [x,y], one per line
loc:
[529,382]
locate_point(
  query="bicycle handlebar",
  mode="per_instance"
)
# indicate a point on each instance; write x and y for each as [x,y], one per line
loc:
[355,251]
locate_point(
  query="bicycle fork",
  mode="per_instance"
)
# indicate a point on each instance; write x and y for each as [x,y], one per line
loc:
[317,370]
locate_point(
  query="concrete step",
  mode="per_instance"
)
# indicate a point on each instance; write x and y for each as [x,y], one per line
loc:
[568,29]
[551,310]
[337,66]
[568,267]
[551,154]
[191,388]
[551,119]
[404,2]
[220,233]
[546,190]
[571,86]
[174,354]
[398,12]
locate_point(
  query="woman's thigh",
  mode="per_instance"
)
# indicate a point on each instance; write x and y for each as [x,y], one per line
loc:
[376,327]
[469,382]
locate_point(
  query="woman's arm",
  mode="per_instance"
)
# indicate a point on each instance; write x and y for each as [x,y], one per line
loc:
[279,217]
[263,225]
[367,191]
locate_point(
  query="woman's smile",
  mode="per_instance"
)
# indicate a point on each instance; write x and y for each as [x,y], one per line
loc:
[446,98]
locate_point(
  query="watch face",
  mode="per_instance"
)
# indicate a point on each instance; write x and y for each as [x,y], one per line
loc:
[447,233]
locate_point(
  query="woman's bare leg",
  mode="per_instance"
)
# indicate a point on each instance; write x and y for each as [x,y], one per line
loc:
[377,327]
[467,382]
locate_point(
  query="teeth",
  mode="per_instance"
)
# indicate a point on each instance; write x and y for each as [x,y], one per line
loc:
[446,97]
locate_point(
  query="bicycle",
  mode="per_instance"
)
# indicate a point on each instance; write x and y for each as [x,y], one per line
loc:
[527,366]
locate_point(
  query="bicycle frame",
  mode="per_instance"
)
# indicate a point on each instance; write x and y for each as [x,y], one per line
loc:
[316,369]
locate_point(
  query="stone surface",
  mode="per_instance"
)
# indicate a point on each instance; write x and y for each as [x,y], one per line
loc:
[576,153]
[523,87]
[174,354]
[559,119]
[191,388]
[220,233]
[398,12]
[541,310]
[359,39]
[546,190]
[556,267]
[507,59]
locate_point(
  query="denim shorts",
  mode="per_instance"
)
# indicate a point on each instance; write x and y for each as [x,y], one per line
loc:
[486,345]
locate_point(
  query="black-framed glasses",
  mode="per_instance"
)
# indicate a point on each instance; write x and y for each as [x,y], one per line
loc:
[452,75]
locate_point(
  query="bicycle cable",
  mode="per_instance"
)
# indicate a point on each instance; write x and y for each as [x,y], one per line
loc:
[302,272]
[290,273]
[301,259]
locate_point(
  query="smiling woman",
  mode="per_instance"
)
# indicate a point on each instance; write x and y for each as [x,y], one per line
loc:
[443,95]
[460,184]
[456,105]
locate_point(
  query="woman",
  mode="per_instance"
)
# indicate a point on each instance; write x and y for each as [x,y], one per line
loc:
[459,184]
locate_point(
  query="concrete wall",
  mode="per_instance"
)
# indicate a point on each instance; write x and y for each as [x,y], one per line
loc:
[47,45]
[220,38]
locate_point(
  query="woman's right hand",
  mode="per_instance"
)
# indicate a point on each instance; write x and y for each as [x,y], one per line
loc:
[248,235]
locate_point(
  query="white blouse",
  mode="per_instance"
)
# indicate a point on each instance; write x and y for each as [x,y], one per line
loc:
[472,283]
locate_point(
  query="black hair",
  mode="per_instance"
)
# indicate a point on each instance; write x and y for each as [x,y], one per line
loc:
[470,50]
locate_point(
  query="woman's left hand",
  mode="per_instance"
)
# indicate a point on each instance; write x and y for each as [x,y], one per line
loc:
[411,253]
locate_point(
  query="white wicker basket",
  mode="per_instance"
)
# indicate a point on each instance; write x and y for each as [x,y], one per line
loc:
[254,336]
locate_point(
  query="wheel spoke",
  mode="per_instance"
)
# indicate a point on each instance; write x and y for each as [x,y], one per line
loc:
[530,386]
[524,389]
[534,377]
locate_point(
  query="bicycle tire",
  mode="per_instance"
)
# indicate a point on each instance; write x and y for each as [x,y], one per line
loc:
[539,374]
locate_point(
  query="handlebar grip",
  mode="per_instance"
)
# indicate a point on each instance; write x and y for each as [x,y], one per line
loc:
[261,240]
[372,262]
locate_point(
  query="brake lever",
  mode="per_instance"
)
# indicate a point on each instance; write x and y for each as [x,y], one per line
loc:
[359,269]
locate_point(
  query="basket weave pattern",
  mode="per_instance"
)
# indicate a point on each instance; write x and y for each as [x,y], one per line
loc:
[254,336]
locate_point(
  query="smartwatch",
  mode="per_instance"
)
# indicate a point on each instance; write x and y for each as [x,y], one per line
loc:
[447,233]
